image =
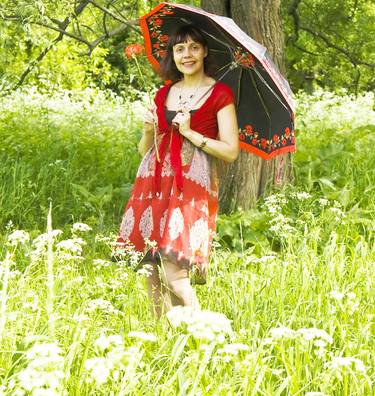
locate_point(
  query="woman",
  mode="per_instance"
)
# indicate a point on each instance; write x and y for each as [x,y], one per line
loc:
[175,198]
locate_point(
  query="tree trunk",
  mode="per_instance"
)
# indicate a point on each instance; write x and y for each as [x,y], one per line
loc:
[244,181]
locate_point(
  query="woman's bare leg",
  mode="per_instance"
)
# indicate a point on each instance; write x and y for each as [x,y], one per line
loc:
[178,283]
[157,293]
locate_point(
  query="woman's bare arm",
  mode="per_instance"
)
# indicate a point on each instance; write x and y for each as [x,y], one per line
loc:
[147,139]
[226,147]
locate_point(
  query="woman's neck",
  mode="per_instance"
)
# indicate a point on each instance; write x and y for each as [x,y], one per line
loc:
[193,81]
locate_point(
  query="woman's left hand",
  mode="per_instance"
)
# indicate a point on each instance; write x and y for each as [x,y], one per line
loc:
[182,119]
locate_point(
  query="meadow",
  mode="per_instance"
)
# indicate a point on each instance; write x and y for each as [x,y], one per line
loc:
[288,308]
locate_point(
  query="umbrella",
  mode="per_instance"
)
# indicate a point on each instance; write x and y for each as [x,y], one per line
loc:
[264,102]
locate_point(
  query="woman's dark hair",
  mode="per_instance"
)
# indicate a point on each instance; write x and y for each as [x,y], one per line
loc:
[168,69]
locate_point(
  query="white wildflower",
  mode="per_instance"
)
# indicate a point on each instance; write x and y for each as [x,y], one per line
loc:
[12,317]
[281,226]
[274,203]
[81,227]
[42,239]
[99,263]
[44,371]
[320,343]
[312,333]
[145,270]
[302,196]
[18,237]
[103,238]
[71,245]
[39,350]
[204,325]
[9,225]
[105,342]
[233,349]
[282,332]
[101,305]
[340,362]
[99,369]
[323,202]
[338,213]
[140,335]
[336,295]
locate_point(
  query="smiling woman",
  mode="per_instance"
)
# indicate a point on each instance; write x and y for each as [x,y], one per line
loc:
[174,202]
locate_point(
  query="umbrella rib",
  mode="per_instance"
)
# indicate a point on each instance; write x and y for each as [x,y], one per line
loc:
[268,86]
[239,86]
[261,99]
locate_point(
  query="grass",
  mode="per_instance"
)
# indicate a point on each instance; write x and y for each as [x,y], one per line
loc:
[294,276]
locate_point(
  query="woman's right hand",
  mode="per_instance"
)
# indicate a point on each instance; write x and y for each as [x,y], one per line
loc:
[150,116]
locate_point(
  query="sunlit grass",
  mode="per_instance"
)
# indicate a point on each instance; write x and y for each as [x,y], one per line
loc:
[289,299]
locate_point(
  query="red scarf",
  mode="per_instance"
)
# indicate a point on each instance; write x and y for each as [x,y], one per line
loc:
[202,121]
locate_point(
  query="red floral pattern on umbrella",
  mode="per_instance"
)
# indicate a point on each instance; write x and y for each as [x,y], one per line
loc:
[264,101]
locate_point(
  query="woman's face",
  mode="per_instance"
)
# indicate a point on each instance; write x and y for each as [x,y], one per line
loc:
[189,57]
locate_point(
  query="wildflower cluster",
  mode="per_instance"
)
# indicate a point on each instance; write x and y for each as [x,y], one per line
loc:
[280,226]
[101,305]
[298,211]
[341,363]
[40,244]
[43,375]
[344,302]
[112,359]
[80,227]
[206,326]
[125,254]
[316,340]
[18,237]
[338,112]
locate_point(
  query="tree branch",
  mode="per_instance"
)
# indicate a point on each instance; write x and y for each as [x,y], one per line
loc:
[304,50]
[131,24]
[112,33]
[65,33]
[293,11]
[330,44]
[78,10]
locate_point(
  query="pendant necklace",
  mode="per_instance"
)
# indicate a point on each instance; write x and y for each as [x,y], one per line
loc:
[186,102]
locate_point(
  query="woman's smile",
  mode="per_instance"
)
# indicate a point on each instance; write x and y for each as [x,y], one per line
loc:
[189,57]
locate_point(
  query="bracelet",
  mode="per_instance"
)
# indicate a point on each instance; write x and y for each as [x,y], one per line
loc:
[204,142]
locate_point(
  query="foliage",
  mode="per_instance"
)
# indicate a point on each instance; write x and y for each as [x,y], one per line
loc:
[335,133]
[91,54]
[330,44]
[288,307]
[77,149]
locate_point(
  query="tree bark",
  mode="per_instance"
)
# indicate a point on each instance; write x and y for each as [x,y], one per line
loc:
[245,180]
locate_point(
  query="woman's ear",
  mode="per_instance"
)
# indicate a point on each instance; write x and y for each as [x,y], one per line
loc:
[205,51]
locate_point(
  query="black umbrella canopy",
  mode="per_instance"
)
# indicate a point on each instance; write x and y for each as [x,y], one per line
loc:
[264,102]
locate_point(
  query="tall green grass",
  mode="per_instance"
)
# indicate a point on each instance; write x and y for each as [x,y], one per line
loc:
[294,276]
[77,150]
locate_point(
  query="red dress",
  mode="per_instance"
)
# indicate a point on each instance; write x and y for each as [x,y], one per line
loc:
[174,201]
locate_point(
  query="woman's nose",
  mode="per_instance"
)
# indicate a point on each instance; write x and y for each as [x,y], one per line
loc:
[186,52]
